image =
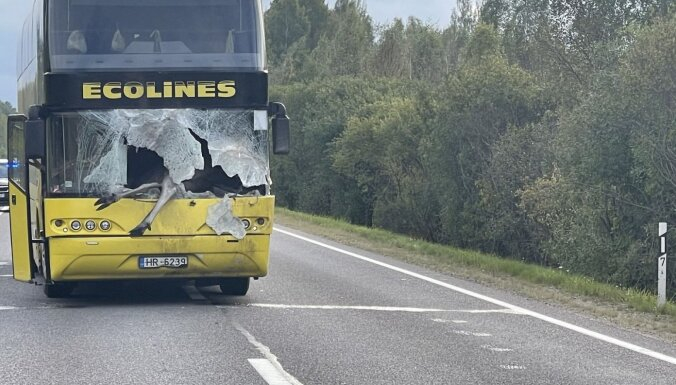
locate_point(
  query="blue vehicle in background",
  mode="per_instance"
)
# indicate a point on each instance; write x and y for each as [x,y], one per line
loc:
[4,184]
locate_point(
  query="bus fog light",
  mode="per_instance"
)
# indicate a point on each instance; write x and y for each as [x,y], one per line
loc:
[260,221]
[246,223]
[76,225]
[90,225]
[58,223]
[105,225]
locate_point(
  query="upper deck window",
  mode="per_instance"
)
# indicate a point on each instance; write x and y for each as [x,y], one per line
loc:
[104,35]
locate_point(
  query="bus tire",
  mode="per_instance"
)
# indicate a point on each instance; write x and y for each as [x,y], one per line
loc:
[58,289]
[235,286]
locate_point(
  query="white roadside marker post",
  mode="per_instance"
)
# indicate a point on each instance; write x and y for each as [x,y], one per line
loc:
[662,268]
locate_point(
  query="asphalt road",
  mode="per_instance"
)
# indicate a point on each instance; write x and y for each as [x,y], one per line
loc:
[327,314]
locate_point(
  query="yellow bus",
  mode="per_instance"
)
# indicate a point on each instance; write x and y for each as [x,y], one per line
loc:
[141,147]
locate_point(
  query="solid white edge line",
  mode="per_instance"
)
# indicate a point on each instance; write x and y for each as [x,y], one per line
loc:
[265,351]
[542,317]
[268,371]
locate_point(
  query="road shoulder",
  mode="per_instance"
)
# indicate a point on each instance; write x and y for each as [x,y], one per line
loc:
[659,326]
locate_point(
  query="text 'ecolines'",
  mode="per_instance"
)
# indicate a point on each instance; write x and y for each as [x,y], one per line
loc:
[166,90]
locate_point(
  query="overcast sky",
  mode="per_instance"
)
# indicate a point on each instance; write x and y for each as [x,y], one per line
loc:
[13,12]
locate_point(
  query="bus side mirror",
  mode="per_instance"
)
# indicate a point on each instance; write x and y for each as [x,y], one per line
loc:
[36,132]
[281,136]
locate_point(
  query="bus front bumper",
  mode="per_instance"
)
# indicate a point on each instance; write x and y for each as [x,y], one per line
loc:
[117,258]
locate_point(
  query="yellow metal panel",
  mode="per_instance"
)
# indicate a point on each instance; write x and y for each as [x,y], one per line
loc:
[105,258]
[18,219]
[178,217]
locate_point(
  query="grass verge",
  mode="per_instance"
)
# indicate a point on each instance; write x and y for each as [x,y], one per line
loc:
[628,307]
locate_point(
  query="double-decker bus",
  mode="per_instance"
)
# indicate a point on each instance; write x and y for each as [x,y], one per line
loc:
[141,147]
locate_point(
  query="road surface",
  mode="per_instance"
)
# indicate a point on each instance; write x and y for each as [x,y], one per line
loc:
[328,314]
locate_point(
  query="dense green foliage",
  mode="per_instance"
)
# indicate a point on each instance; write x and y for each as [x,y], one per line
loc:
[536,130]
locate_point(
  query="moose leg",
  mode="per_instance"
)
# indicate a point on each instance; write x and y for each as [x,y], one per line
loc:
[169,189]
[109,200]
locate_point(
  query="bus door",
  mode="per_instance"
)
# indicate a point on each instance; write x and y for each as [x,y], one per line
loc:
[19,198]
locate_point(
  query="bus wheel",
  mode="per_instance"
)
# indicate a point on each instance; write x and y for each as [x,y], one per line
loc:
[58,289]
[235,286]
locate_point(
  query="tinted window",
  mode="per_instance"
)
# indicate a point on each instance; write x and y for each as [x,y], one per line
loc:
[155,34]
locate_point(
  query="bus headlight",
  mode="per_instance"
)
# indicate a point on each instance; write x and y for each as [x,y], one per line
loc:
[76,225]
[104,225]
[90,225]
[246,223]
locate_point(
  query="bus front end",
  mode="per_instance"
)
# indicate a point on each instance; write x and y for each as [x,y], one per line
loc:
[155,161]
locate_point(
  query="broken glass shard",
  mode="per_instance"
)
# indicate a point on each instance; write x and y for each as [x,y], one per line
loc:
[221,219]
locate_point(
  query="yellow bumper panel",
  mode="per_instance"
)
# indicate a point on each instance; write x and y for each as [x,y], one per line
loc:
[178,216]
[110,258]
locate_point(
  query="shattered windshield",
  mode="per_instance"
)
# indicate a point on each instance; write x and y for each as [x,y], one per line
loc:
[210,152]
[176,34]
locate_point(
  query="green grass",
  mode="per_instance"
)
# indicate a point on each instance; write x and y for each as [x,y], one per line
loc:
[447,258]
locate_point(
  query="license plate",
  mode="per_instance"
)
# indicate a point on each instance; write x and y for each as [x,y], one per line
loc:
[160,262]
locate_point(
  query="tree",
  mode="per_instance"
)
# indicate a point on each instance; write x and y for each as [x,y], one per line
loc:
[286,23]
[455,37]
[346,45]
[318,15]
[520,157]
[380,151]
[321,111]
[613,183]
[426,52]
[392,53]
[481,103]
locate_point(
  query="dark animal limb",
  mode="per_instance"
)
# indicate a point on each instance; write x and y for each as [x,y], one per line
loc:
[169,189]
[109,200]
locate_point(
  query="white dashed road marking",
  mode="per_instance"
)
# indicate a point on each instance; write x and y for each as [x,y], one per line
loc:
[512,367]
[269,372]
[520,310]
[497,350]
[466,333]
[446,321]
[271,358]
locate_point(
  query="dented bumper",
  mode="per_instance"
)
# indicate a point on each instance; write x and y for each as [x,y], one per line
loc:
[180,230]
[112,258]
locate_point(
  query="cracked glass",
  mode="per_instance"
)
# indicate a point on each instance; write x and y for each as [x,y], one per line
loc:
[207,152]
